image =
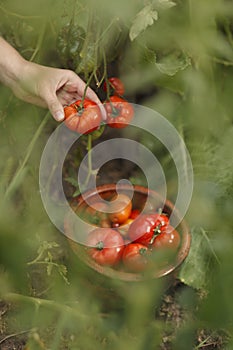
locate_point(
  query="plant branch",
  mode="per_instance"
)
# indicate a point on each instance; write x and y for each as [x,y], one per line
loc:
[20,169]
[51,304]
[16,335]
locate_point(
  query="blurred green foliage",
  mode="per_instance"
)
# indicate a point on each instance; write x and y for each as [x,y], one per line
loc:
[179,61]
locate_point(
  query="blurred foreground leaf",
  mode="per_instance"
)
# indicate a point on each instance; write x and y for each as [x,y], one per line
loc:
[171,64]
[195,271]
[144,18]
[164,4]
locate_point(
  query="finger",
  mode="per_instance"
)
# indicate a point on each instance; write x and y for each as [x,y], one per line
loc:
[55,108]
[67,98]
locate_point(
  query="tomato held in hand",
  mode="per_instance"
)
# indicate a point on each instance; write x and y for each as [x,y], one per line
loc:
[169,238]
[83,116]
[119,112]
[106,246]
[116,86]
[135,257]
[120,208]
[147,226]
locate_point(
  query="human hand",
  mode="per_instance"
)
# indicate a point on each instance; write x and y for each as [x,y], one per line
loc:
[52,88]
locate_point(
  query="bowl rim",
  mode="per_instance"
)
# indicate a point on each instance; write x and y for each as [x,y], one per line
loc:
[184,230]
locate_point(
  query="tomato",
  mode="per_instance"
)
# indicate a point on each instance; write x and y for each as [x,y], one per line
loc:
[97,214]
[119,112]
[106,246]
[134,214]
[169,238]
[146,226]
[120,208]
[135,257]
[83,116]
[116,85]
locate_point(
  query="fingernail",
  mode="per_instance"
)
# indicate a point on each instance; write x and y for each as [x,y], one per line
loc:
[59,116]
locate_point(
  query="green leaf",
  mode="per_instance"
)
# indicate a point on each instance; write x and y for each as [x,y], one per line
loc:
[76,193]
[72,181]
[164,4]
[173,63]
[143,19]
[196,269]
[62,269]
[49,257]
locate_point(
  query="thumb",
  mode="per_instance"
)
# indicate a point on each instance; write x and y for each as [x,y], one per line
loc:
[55,108]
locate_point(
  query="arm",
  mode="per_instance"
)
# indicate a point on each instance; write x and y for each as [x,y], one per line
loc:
[43,86]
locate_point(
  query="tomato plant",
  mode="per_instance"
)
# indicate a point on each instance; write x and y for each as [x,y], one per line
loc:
[135,257]
[116,86]
[146,226]
[119,112]
[83,116]
[169,238]
[106,246]
[120,208]
[69,44]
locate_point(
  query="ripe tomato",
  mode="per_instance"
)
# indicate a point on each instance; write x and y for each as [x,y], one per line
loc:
[119,112]
[135,257]
[146,226]
[134,214]
[83,116]
[169,238]
[106,246]
[116,85]
[120,208]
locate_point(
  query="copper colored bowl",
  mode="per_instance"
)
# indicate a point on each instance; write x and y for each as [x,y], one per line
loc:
[140,196]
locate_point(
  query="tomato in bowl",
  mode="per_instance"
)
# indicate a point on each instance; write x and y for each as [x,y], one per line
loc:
[139,253]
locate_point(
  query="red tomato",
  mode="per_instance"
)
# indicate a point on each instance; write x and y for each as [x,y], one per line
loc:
[83,116]
[169,238]
[134,214]
[135,257]
[107,246]
[116,85]
[119,112]
[146,226]
[120,209]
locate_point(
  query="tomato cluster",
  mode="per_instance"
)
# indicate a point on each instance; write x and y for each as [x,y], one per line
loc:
[127,238]
[84,116]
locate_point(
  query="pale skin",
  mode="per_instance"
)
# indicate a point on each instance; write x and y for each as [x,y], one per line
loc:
[48,87]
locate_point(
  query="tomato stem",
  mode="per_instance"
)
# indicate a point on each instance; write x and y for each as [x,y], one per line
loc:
[100,245]
[89,158]
[106,76]
[115,111]
[160,211]
[86,87]
[156,233]
[142,251]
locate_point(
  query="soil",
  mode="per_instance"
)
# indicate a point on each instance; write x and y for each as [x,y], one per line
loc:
[170,311]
